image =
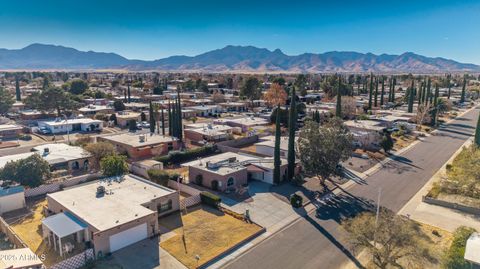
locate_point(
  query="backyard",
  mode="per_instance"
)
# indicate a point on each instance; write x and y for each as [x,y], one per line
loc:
[208,233]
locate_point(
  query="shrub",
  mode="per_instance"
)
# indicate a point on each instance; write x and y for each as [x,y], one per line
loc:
[24,137]
[175,157]
[454,255]
[210,199]
[159,176]
[296,200]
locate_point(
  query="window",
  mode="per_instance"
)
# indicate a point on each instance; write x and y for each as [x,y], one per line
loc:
[230,182]
[163,207]
[170,146]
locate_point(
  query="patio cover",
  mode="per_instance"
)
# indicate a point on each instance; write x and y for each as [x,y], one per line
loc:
[64,224]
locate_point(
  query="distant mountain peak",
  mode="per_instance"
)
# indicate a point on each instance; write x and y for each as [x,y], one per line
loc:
[230,58]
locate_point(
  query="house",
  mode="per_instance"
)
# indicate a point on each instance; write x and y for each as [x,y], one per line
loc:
[111,214]
[141,145]
[96,101]
[59,125]
[92,110]
[11,198]
[208,133]
[20,258]
[230,171]
[60,156]
[366,132]
[8,131]
[124,117]
[472,250]
[205,110]
[141,167]
[30,115]
[267,146]
[245,123]
[234,106]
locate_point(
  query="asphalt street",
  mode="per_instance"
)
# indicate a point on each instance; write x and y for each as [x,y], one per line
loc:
[318,241]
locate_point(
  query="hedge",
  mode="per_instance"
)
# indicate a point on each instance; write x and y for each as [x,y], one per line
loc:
[176,157]
[161,177]
[210,199]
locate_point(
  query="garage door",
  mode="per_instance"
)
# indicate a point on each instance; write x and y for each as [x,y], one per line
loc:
[128,237]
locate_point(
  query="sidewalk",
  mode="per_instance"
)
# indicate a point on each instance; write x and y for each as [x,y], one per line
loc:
[438,216]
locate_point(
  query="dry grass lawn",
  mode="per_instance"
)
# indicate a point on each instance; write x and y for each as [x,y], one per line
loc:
[208,233]
[29,229]
[403,141]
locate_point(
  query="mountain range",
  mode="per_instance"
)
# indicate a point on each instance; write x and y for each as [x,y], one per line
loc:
[228,59]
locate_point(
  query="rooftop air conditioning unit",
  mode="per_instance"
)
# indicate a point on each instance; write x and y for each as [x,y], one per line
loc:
[141,138]
[100,191]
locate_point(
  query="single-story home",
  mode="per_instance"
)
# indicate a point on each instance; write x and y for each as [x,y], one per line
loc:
[142,145]
[92,110]
[59,156]
[10,130]
[124,117]
[234,106]
[367,132]
[229,170]
[245,123]
[59,125]
[11,198]
[205,110]
[111,214]
[267,146]
[472,250]
[208,133]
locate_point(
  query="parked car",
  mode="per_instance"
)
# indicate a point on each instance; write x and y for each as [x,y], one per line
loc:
[145,124]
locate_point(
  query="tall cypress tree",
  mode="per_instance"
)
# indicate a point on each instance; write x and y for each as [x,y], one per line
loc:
[375,103]
[17,89]
[129,95]
[449,86]
[370,92]
[338,110]
[170,125]
[429,91]
[152,118]
[394,81]
[276,152]
[163,122]
[179,117]
[292,122]
[174,119]
[383,91]
[411,97]
[435,106]
[477,133]
[124,96]
[462,97]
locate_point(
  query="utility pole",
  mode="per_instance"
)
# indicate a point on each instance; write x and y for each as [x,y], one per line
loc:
[376,220]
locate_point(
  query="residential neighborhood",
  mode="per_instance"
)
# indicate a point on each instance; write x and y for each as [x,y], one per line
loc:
[240,157]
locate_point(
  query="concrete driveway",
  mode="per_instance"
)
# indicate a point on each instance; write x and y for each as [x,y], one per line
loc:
[145,254]
[265,208]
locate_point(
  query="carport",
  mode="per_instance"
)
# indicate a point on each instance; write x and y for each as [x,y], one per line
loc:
[60,226]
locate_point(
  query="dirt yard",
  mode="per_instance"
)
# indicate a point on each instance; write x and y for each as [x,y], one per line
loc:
[208,233]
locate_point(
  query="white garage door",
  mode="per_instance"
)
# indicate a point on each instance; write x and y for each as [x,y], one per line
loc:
[128,237]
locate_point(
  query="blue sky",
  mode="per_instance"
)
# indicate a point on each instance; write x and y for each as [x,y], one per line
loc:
[152,29]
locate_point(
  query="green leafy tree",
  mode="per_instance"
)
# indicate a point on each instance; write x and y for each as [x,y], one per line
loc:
[31,171]
[6,101]
[251,89]
[78,86]
[99,151]
[387,142]
[301,84]
[53,98]
[114,165]
[118,105]
[322,148]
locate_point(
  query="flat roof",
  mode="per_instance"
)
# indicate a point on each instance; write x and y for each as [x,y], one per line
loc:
[472,250]
[61,151]
[63,224]
[94,108]
[133,139]
[211,130]
[6,127]
[247,121]
[364,124]
[71,121]
[248,159]
[122,202]
[11,190]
